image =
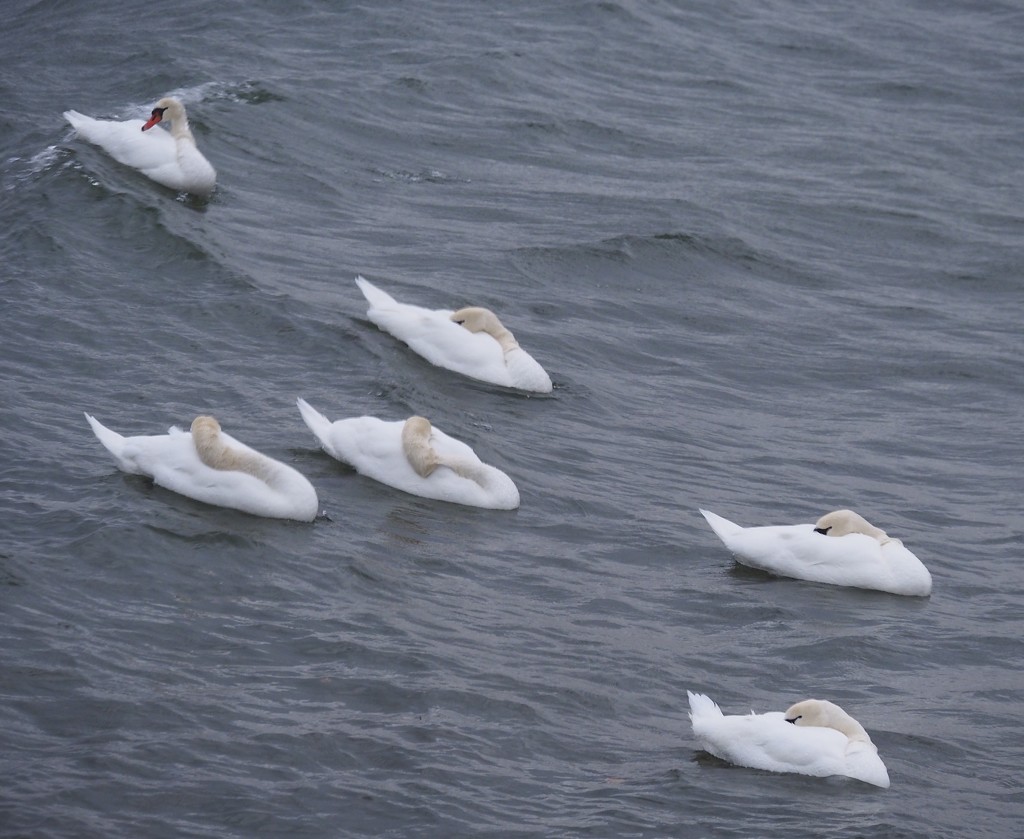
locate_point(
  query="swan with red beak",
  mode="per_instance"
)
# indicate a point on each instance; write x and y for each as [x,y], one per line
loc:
[170,158]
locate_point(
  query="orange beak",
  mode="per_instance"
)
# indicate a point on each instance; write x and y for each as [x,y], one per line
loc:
[158,114]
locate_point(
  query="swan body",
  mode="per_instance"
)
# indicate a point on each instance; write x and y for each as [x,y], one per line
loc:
[471,341]
[415,457]
[207,465]
[841,549]
[813,737]
[169,158]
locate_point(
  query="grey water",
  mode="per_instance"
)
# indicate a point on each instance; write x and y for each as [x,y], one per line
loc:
[771,256]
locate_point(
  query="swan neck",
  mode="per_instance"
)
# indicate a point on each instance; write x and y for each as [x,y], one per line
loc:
[215,453]
[475,472]
[416,446]
[851,728]
[180,129]
[505,339]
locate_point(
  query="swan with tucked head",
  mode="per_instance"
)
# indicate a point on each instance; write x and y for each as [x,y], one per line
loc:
[414,456]
[813,737]
[471,341]
[170,158]
[207,465]
[841,549]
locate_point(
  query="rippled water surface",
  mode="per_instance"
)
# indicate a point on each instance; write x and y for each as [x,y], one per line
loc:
[770,255]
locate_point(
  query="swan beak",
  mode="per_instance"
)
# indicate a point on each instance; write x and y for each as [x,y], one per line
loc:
[822,530]
[792,721]
[158,114]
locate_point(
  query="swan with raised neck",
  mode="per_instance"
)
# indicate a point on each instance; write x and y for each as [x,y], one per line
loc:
[170,158]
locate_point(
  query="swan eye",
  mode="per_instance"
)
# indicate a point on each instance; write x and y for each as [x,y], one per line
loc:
[823,530]
[159,111]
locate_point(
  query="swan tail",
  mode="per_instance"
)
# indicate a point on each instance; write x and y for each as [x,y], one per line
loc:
[702,706]
[75,118]
[113,443]
[316,422]
[723,527]
[374,296]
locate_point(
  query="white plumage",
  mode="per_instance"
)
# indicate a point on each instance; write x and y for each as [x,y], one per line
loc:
[471,341]
[813,737]
[208,465]
[167,157]
[841,549]
[426,462]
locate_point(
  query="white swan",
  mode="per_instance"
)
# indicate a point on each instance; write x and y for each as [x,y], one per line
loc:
[415,457]
[169,158]
[841,549]
[814,737]
[471,341]
[209,466]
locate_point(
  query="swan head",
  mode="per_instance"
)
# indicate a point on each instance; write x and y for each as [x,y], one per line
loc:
[160,110]
[843,522]
[825,714]
[810,712]
[477,319]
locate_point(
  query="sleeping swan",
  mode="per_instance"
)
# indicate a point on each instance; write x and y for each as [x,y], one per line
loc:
[207,465]
[414,456]
[814,737]
[471,341]
[169,158]
[841,549]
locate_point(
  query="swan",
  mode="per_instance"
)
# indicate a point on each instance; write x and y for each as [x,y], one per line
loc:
[414,456]
[471,341]
[169,158]
[813,737]
[207,465]
[841,548]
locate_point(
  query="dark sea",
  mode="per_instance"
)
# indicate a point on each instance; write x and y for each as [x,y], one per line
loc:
[771,255]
